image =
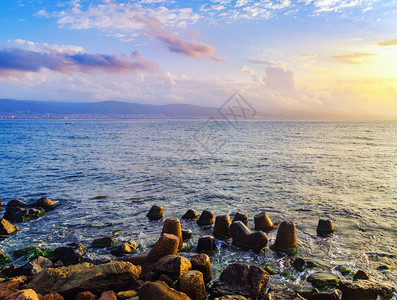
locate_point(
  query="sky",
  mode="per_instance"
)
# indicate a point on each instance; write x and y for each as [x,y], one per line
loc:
[310,59]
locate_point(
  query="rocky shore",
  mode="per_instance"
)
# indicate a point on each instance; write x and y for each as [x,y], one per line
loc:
[171,269]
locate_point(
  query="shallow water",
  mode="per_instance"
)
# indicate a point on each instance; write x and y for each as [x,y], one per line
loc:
[298,171]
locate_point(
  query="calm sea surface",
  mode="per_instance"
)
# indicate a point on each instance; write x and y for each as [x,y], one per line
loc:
[298,171]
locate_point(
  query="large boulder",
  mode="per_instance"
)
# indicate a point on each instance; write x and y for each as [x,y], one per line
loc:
[159,290]
[243,217]
[323,279]
[206,244]
[53,296]
[279,292]
[286,238]
[192,284]
[11,286]
[241,279]
[155,212]
[46,204]
[206,218]
[173,226]
[125,248]
[190,214]
[364,290]
[245,238]
[263,222]
[325,227]
[36,265]
[174,266]
[69,255]
[222,226]
[85,277]
[21,214]
[201,262]
[6,227]
[28,294]
[167,244]
[103,242]
[16,203]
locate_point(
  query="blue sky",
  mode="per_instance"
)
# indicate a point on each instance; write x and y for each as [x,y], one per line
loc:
[324,58]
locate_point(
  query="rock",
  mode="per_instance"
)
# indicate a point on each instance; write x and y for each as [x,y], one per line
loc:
[166,279]
[46,204]
[206,244]
[360,274]
[6,227]
[270,270]
[3,258]
[286,238]
[35,266]
[85,277]
[126,294]
[137,259]
[322,279]
[21,214]
[86,295]
[201,262]
[332,295]
[28,294]
[190,214]
[240,279]
[192,284]
[108,295]
[325,227]
[231,297]
[103,242]
[125,248]
[278,292]
[364,290]
[187,234]
[383,267]
[240,217]
[173,226]
[167,244]
[222,226]
[53,296]
[300,264]
[174,266]
[243,237]
[16,203]
[206,218]
[11,286]
[155,212]
[95,258]
[263,222]
[159,290]
[69,255]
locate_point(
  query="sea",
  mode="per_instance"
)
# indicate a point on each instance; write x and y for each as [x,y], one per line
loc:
[300,171]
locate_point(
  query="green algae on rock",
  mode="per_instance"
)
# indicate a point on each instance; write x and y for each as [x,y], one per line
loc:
[322,279]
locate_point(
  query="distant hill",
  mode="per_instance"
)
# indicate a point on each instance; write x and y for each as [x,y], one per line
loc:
[41,109]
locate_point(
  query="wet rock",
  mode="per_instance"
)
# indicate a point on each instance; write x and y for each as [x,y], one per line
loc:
[11,286]
[70,254]
[27,294]
[270,270]
[160,290]
[187,234]
[16,203]
[86,295]
[190,214]
[383,267]
[6,227]
[53,296]
[125,248]
[3,258]
[206,218]
[103,242]
[323,279]
[167,244]
[85,277]
[35,266]
[137,260]
[286,238]
[173,226]
[167,280]
[126,294]
[240,217]
[108,295]
[243,237]
[300,264]
[95,258]
[192,284]
[21,214]
[325,227]
[263,222]
[174,266]
[332,295]
[231,297]
[364,290]
[222,226]
[155,212]
[240,279]
[46,204]
[278,292]
[360,274]
[206,244]
[201,262]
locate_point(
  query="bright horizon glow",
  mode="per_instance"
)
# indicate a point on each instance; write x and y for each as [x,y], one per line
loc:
[310,59]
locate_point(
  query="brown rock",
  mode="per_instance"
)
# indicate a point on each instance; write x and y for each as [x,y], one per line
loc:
[206,244]
[85,277]
[364,290]
[70,254]
[166,279]
[28,294]
[126,294]
[46,204]
[278,292]
[222,226]
[173,226]
[159,290]
[192,284]
[155,212]
[231,297]
[125,248]
[53,296]
[167,244]
[190,214]
[332,295]
[325,227]
[360,274]
[286,238]
[7,228]
[174,266]
[263,222]
[16,203]
[137,260]
[103,242]
[201,262]
[240,217]
[187,234]
[243,237]
[108,295]
[86,296]
[11,286]
[206,218]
